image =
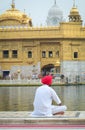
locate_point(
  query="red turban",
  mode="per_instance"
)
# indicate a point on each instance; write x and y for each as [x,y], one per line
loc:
[47,80]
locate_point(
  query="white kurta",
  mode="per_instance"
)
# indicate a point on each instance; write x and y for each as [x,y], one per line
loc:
[43,102]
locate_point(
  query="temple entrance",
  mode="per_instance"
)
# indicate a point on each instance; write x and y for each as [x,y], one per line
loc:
[5,73]
[50,69]
[47,69]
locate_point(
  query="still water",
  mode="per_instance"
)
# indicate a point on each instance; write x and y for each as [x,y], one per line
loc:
[21,98]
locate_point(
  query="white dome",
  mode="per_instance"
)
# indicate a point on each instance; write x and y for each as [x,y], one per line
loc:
[55,15]
[55,11]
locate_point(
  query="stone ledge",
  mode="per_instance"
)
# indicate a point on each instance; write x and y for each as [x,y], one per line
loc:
[24,118]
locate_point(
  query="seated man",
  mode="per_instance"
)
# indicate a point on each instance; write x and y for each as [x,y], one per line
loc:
[43,100]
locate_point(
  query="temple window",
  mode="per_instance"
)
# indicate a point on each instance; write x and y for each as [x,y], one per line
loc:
[14,53]
[29,54]
[75,54]
[43,54]
[5,54]
[57,53]
[50,54]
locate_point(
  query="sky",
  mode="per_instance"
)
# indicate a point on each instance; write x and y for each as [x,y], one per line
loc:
[38,9]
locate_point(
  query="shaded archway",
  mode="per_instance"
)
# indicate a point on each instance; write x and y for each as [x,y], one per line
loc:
[47,69]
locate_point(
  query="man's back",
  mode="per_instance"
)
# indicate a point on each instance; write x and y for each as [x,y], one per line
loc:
[43,99]
[43,96]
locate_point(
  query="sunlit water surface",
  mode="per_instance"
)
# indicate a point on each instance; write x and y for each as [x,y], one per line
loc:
[21,98]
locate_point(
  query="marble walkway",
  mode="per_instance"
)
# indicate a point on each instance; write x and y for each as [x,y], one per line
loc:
[24,118]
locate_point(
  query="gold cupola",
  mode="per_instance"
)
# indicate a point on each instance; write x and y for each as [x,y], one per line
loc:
[74,15]
[14,17]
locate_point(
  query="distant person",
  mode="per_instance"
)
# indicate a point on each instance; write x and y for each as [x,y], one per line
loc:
[43,100]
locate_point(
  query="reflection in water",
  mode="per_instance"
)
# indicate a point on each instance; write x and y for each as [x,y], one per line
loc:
[21,98]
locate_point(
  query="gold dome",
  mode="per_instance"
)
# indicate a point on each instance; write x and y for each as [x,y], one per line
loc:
[74,11]
[14,17]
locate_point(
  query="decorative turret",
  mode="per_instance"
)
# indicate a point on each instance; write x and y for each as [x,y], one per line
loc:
[74,15]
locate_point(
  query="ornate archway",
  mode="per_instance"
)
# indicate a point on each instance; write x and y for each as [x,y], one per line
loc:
[47,69]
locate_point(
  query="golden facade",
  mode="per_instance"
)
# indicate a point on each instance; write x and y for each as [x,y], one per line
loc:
[22,45]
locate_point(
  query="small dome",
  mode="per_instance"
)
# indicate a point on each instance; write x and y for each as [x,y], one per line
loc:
[55,15]
[74,15]
[74,11]
[16,15]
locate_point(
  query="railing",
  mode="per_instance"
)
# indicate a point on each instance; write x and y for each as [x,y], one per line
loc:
[31,81]
[37,81]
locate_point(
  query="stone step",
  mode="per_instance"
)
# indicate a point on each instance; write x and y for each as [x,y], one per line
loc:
[24,118]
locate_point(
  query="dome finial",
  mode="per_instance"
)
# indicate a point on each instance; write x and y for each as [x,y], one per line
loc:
[54,2]
[24,11]
[73,3]
[13,4]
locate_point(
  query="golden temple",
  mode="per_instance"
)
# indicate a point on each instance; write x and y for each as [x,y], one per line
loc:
[32,49]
